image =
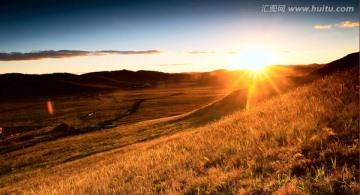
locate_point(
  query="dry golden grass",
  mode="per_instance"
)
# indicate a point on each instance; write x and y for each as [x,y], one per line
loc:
[163,103]
[302,142]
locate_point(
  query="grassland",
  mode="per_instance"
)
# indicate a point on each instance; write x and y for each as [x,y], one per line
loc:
[23,160]
[305,141]
[72,109]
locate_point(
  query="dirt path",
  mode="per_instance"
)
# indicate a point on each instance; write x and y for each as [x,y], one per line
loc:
[133,109]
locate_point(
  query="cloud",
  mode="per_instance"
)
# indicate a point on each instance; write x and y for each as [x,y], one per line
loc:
[344,24]
[348,24]
[129,52]
[38,55]
[197,52]
[322,27]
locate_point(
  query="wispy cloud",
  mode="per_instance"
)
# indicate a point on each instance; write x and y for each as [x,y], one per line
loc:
[344,24]
[197,52]
[322,27]
[38,55]
[128,52]
[348,24]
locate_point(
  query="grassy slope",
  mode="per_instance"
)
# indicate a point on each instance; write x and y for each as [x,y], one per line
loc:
[305,141]
[19,164]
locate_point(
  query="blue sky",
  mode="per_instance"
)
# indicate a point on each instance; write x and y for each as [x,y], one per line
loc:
[174,28]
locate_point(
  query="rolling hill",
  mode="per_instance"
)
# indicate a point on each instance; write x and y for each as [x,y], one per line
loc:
[303,140]
[271,86]
[15,85]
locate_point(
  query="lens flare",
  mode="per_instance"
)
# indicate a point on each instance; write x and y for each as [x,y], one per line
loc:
[50,107]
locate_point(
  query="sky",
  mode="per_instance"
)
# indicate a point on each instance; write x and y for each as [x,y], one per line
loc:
[79,36]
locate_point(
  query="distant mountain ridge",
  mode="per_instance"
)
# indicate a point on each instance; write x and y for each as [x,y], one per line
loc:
[16,85]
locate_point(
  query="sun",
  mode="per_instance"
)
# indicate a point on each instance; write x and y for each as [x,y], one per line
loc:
[254,59]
